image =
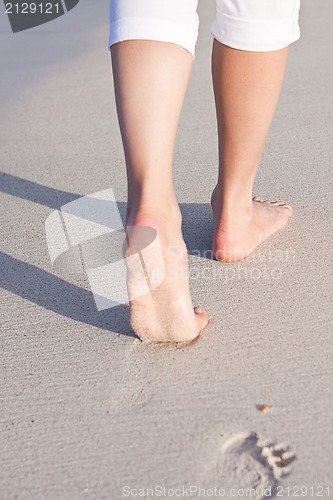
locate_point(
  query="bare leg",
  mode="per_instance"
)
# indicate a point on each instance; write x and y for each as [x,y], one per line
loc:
[247,86]
[150,83]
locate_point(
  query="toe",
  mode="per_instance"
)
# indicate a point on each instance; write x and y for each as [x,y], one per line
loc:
[280,204]
[288,207]
[285,207]
[202,317]
[257,198]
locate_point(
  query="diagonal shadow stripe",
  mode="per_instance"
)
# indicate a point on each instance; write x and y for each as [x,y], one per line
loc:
[57,295]
[32,191]
[197,217]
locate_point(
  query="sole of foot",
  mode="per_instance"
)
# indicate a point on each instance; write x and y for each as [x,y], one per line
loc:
[161,308]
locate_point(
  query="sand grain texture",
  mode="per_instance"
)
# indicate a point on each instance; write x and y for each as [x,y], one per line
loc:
[86,409]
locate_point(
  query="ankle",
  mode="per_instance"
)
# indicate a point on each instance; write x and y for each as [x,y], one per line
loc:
[158,206]
[230,207]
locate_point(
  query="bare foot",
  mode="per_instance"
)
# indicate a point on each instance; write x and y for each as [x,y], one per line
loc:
[238,234]
[162,313]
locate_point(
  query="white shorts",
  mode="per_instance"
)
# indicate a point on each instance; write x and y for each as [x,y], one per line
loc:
[254,25]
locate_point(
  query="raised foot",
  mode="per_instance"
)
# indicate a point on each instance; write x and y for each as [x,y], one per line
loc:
[236,239]
[158,282]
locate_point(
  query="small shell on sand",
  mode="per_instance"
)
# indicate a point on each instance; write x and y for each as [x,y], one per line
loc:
[263,408]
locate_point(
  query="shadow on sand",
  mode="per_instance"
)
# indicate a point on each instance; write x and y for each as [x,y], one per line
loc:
[64,298]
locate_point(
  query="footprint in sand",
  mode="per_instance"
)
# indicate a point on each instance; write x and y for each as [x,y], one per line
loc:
[129,394]
[248,462]
[127,400]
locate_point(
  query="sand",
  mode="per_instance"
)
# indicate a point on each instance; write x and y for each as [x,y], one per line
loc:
[87,411]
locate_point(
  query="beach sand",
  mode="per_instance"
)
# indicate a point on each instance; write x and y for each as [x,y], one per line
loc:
[87,409]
